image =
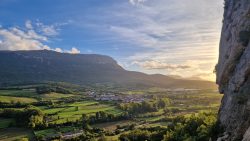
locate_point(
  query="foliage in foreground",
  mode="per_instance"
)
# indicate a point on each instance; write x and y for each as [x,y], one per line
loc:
[197,127]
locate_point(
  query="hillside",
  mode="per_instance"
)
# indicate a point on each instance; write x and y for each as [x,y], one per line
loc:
[43,65]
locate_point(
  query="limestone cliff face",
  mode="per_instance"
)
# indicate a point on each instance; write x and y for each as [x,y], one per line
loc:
[233,70]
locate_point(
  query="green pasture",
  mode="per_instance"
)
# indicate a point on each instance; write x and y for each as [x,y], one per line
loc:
[10,99]
[74,111]
[19,93]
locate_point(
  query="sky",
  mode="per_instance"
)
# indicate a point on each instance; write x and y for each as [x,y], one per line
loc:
[171,37]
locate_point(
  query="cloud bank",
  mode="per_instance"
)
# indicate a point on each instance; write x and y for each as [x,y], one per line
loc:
[173,33]
[151,65]
[30,38]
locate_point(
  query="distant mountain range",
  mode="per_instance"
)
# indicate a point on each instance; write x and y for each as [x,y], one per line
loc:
[17,67]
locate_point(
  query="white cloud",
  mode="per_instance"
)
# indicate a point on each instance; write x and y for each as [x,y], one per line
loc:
[30,38]
[170,32]
[16,39]
[58,50]
[29,34]
[73,51]
[28,24]
[48,30]
[135,2]
[132,35]
[151,65]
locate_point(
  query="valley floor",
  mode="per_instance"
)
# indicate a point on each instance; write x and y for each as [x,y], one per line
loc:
[91,113]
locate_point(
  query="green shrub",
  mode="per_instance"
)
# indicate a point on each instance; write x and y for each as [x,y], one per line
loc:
[197,127]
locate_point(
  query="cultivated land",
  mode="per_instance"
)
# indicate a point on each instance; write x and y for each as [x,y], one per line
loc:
[12,134]
[74,111]
[64,112]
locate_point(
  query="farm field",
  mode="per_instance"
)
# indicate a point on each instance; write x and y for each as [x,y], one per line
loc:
[111,126]
[13,134]
[52,132]
[74,111]
[19,93]
[54,96]
[66,115]
[11,99]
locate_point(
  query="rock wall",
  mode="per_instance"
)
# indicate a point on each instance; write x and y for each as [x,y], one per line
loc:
[233,70]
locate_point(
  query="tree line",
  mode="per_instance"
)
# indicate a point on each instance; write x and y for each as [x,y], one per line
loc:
[145,106]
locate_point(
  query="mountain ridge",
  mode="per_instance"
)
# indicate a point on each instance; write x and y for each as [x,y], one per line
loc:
[44,65]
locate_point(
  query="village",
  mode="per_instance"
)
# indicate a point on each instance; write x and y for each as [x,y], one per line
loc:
[135,98]
[109,96]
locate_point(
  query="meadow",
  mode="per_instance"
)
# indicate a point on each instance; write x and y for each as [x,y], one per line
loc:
[74,111]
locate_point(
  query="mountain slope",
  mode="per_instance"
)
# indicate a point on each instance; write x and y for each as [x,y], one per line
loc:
[44,65]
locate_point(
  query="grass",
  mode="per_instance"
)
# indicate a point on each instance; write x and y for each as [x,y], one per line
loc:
[46,133]
[13,134]
[51,132]
[70,113]
[182,104]
[193,103]
[74,111]
[54,96]
[52,111]
[19,93]
[85,103]
[10,99]
[111,126]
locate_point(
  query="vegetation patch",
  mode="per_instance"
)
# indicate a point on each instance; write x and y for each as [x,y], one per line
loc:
[162,114]
[11,99]
[13,134]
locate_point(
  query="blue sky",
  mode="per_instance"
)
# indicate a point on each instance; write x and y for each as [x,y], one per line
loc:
[172,37]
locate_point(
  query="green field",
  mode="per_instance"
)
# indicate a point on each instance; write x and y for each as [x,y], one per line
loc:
[74,111]
[54,96]
[12,99]
[63,110]
[13,134]
[52,132]
[111,126]
[19,93]
[22,96]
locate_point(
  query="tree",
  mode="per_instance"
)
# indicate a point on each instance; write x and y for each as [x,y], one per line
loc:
[198,127]
[85,121]
[136,135]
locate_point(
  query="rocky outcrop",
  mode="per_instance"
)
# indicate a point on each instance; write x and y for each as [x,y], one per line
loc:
[233,70]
